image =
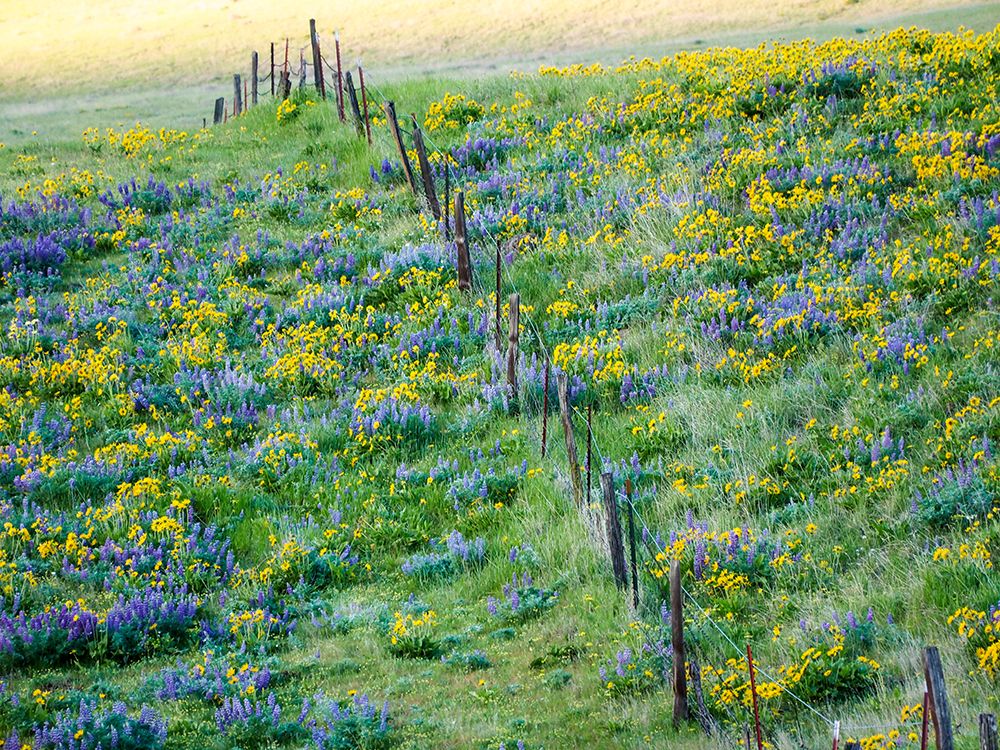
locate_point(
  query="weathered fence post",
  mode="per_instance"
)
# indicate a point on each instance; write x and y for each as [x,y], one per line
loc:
[340,77]
[220,106]
[390,113]
[562,386]
[614,529]
[237,95]
[545,407]
[272,70]
[836,735]
[631,543]
[938,698]
[988,732]
[425,169]
[753,694]
[317,61]
[364,102]
[302,69]
[286,55]
[253,78]
[462,245]
[352,94]
[285,86]
[513,336]
[677,641]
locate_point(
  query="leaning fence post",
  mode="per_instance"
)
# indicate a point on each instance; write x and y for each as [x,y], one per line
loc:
[425,169]
[318,78]
[677,641]
[631,543]
[562,385]
[253,78]
[237,95]
[938,695]
[513,336]
[364,102]
[352,94]
[988,732]
[462,245]
[220,106]
[614,529]
[390,113]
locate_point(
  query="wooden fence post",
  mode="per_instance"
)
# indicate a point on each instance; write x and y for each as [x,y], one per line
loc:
[513,336]
[364,102]
[390,113]
[753,694]
[677,641]
[545,408]
[938,695]
[340,77]
[319,79]
[425,170]
[272,70]
[462,245]
[988,732]
[562,385]
[352,95]
[253,78]
[302,69]
[614,529]
[285,85]
[836,735]
[220,106]
[631,543]
[237,95]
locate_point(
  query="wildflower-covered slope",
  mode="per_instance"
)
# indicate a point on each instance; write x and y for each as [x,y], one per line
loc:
[263,482]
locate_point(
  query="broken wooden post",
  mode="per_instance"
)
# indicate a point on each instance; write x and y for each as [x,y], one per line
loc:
[352,95]
[513,335]
[425,170]
[390,113]
[988,732]
[253,78]
[938,699]
[631,543]
[317,60]
[220,106]
[237,95]
[562,386]
[614,531]
[677,641]
[364,102]
[462,244]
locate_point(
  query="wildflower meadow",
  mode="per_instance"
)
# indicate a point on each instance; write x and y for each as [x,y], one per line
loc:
[265,482]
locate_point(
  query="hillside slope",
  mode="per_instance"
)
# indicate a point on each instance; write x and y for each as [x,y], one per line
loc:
[262,473]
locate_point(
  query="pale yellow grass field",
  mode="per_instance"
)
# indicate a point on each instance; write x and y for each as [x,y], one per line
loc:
[67,64]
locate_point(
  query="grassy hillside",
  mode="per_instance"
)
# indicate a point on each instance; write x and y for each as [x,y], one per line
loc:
[263,483]
[112,63]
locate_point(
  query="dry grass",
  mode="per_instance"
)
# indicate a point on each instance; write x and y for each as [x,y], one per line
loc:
[74,63]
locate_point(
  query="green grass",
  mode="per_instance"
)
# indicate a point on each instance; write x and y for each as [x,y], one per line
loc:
[717,427]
